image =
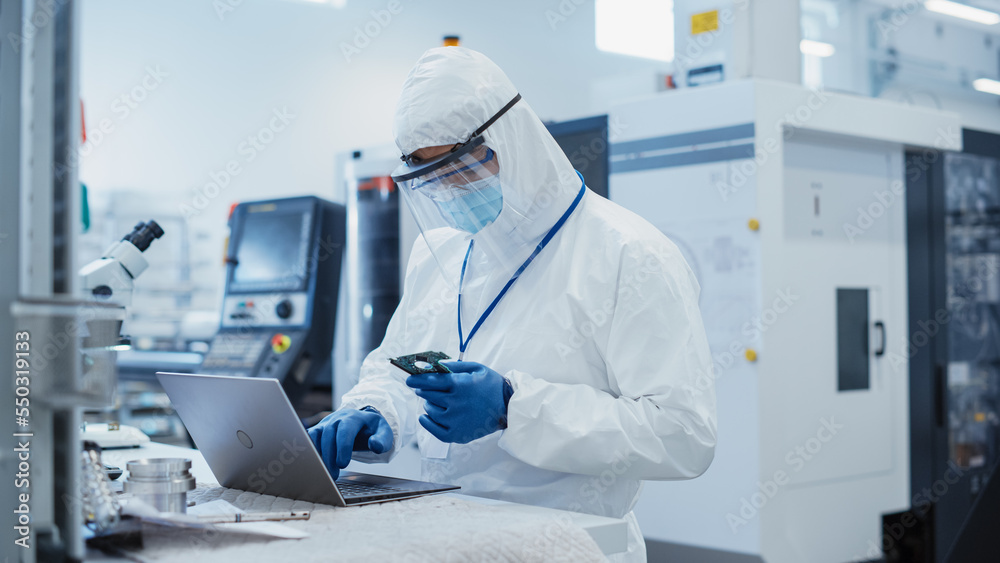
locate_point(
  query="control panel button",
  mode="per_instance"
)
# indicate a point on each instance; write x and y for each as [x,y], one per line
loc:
[280,343]
[284,309]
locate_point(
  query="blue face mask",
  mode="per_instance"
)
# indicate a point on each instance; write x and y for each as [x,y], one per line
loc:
[476,209]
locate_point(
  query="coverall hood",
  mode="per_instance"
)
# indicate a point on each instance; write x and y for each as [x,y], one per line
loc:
[451,92]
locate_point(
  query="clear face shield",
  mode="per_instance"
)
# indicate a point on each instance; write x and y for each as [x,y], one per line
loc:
[455,193]
[459,190]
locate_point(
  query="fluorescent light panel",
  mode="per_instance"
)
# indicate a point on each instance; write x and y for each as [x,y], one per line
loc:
[987,85]
[816,48]
[334,3]
[641,28]
[963,11]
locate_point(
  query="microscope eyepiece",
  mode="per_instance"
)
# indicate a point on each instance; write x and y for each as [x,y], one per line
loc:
[143,234]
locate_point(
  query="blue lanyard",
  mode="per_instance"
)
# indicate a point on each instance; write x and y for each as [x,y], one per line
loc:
[464,343]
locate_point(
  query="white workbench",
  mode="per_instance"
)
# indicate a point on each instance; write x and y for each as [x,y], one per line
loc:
[609,534]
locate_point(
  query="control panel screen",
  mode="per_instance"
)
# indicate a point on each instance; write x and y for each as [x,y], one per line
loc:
[271,252]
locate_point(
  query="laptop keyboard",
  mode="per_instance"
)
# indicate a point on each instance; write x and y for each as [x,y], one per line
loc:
[353,489]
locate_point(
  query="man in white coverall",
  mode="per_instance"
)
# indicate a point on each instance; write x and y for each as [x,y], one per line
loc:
[584,367]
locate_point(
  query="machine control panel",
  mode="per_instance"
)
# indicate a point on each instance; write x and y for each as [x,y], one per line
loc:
[275,309]
[282,280]
[267,354]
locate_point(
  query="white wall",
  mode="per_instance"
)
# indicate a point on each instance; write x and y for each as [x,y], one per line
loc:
[218,77]
[224,77]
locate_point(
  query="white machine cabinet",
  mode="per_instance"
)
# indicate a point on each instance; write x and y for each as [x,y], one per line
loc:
[789,205]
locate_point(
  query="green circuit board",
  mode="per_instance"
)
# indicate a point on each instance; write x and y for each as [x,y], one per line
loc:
[423,362]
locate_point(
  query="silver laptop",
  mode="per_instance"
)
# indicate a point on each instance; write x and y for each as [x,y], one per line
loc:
[253,441]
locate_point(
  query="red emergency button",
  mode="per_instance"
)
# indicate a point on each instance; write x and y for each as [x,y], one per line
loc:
[280,343]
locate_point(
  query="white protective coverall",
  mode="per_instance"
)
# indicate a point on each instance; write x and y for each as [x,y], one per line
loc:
[601,337]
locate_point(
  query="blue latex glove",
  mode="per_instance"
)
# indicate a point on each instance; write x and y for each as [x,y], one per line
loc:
[347,431]
[462,406]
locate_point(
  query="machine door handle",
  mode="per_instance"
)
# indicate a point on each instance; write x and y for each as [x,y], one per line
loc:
[880,326]
[940,395]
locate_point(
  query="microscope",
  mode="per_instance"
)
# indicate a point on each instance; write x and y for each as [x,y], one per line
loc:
[110,277]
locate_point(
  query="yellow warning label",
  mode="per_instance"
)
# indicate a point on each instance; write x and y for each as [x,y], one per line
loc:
[705,21]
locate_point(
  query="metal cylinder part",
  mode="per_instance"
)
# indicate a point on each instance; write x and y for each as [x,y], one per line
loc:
[161,482]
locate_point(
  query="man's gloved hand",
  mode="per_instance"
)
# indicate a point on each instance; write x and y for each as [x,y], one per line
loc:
[350,430]
[469,403]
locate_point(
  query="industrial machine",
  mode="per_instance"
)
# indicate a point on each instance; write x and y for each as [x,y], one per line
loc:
[953,208]
[282,282]
[789,205]
[585,142]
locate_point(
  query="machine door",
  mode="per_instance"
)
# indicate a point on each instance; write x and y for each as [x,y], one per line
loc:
[954,224]
[972,242]
[841,218]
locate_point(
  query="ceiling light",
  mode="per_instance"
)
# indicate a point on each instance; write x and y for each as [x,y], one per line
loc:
[963,11]
[987,85]
[816,48]
[641,28]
